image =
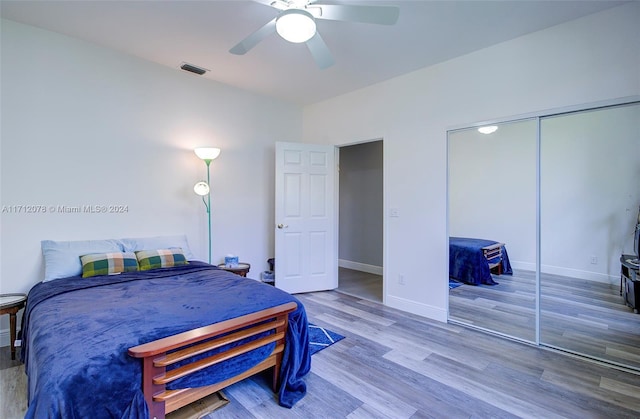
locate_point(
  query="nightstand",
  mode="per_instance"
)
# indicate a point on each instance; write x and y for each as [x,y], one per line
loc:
[10,304]
[630,282]
[242,269]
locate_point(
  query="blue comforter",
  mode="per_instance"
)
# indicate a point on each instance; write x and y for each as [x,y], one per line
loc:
[76,333]
[467,262]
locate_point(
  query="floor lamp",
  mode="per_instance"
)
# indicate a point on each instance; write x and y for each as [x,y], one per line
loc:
[204,188]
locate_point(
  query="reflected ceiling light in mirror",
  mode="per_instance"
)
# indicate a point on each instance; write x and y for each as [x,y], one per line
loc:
[489,129]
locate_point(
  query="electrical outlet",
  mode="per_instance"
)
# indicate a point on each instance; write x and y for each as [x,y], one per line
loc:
[594,260]
[401,279]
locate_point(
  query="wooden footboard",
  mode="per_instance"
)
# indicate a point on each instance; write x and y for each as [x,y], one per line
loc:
[492,252]
[158,355]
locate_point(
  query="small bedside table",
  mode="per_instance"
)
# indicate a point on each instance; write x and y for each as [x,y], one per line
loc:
[10,304]
[630,282]
[242,269]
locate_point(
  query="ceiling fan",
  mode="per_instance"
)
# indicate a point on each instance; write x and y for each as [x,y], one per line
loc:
[296,23]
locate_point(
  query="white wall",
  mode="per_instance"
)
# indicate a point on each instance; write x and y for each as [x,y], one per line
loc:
[590,168]
[492,188]
[586,60]
[82,124]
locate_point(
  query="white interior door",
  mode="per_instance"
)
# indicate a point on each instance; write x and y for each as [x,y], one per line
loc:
[306,223]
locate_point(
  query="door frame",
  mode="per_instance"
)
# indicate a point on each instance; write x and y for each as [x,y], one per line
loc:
[384,206]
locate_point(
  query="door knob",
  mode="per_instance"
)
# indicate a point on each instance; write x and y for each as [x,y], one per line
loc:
[282,226]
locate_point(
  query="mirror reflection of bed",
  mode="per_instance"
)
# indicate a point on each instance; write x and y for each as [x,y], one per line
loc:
[492,186]
[589,197]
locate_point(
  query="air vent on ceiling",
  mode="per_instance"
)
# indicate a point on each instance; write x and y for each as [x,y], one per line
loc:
[193,69]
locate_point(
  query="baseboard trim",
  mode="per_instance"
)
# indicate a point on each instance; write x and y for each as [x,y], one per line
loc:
[424,310]
[362,267]
[572,273]
[577,273]
[524,266]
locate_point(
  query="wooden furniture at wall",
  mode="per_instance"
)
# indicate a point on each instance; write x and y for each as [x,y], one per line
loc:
[242,269]
[493,254]
[630,282]
[10,304]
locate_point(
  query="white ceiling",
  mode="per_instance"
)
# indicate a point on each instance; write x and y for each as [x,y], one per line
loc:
[202,32]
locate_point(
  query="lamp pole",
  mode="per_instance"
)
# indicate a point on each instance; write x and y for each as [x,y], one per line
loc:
[208,205]
[207,154]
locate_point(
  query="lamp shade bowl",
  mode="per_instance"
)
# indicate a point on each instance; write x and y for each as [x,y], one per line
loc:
[201,188]
[207,153]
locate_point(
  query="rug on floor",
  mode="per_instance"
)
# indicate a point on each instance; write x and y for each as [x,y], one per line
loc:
[454,284]
[321,338]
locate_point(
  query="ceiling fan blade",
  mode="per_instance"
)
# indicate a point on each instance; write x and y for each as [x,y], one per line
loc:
[252,40]
[382,15]
[320,51]
[265,2]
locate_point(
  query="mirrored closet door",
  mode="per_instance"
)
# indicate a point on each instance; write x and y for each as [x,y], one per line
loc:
[589,197]
[492,200]
[560,192]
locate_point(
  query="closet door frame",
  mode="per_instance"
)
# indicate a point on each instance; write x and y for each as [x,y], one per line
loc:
[538,117]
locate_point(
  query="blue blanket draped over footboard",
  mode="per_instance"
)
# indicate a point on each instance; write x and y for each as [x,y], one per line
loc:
[76,333]
[467,262]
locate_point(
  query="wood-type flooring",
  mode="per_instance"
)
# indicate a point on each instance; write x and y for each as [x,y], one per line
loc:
[586,317]
[394,364]
[397,365]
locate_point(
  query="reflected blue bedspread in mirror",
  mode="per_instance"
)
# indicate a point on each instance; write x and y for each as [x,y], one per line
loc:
[467,262]
[76,333]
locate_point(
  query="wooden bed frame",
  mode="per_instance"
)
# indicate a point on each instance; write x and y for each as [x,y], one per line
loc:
[159,354]
[491,252]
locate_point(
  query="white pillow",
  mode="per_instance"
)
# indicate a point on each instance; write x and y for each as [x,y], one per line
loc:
[158,242]
[62,258]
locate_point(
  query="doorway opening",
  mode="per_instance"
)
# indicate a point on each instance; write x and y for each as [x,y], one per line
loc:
[360,220]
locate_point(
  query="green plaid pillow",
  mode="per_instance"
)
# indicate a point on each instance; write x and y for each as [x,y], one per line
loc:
[95,264]
[160,258]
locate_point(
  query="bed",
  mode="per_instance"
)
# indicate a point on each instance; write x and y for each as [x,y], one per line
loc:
[143,343]
[473,260]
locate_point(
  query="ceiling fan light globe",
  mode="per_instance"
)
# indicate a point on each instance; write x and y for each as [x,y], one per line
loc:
[296,25]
